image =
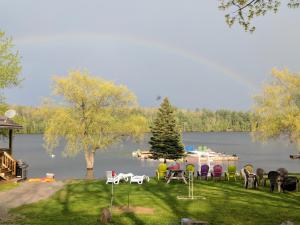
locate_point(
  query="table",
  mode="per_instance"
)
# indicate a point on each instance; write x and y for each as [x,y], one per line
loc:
[176,175]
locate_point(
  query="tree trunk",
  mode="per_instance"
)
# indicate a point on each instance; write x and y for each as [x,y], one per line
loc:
[89,158]
[89,174]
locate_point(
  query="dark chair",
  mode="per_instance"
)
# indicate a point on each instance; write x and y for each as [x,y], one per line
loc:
[273,176]
[260,176]
[283,172]
[290,183]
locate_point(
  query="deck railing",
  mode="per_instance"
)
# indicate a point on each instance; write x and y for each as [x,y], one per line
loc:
[9,163]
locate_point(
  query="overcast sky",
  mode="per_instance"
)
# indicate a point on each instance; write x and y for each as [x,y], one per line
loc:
[180,49]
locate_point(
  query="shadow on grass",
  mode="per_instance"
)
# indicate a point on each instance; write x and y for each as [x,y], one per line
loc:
[235,190]
[236,205]
[226,202]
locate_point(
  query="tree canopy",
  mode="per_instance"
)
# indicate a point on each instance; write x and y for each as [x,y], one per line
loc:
[198,120]
[277,108]
[166,140]
[10,66]
[93,115]
[244,11]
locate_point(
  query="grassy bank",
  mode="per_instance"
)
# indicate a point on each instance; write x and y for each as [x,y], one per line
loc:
[225,203]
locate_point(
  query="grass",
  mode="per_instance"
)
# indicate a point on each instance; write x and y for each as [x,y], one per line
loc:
[80,202]
[4,186]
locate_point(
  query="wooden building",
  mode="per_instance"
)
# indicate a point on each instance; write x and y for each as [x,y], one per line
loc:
[8,165]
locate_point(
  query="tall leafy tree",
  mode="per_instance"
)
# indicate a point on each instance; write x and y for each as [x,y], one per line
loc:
[277,108]
[166,140]
[93,115]
[10,66]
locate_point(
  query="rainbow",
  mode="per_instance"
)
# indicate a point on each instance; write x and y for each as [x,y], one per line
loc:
[143,42]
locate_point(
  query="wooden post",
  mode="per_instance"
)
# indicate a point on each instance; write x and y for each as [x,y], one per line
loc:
[10,141]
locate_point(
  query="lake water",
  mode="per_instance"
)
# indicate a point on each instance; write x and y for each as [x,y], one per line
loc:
[269,156]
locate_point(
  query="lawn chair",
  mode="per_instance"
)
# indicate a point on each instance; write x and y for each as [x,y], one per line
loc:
[249,178]
[273,176]
[125,176]
[174,166]
[111,177]
[249,168]
[290,183]
[189,168]
[217,172]
[231,172]
[261,180]
[161,171]
[283,172]
[203,172]
[139,179]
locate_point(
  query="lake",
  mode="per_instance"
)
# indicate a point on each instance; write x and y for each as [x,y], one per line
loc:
[269,156]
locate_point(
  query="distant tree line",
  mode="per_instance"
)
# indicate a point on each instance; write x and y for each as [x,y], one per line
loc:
[200,120]
[32,120]
[214,121]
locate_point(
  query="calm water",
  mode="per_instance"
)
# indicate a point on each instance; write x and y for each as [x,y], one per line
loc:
[270,156]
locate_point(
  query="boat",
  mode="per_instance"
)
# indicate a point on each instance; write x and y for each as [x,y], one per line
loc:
[199,156]
[141,154]
[204,155]
[295,156]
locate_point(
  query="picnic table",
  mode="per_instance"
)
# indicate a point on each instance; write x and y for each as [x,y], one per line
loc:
[176,175]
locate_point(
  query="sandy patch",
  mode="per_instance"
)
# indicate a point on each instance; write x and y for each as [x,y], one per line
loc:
[136,210]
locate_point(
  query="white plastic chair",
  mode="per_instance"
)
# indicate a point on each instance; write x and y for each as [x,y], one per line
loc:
[125,176]
[139,179]
[112,179]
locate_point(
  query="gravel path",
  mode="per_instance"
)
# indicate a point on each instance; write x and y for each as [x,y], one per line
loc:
[26,193]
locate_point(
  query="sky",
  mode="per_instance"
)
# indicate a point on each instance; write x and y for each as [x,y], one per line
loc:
[180,49]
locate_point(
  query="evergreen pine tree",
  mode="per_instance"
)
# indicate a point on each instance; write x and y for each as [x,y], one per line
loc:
[166,140]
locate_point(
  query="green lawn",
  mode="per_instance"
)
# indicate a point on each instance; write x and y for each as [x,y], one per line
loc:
[7,186]
[226,203]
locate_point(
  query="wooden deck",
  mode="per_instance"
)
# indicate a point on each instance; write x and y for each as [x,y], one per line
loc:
[8,166]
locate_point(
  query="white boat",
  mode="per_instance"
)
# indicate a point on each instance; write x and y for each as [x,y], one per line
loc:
[209,157]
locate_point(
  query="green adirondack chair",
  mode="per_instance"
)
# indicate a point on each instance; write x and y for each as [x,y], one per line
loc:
[231,172]
[161,171]
[189,168]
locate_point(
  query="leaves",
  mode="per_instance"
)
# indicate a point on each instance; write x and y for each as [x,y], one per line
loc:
[244,12]
[10,67]
[277,108]
[92,115]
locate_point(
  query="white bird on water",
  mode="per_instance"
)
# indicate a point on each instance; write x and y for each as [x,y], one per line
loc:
[52,156]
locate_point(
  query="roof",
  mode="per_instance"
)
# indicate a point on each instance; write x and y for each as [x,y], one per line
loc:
[6,123]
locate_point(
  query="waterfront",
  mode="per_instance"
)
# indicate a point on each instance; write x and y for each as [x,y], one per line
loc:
[271,155]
